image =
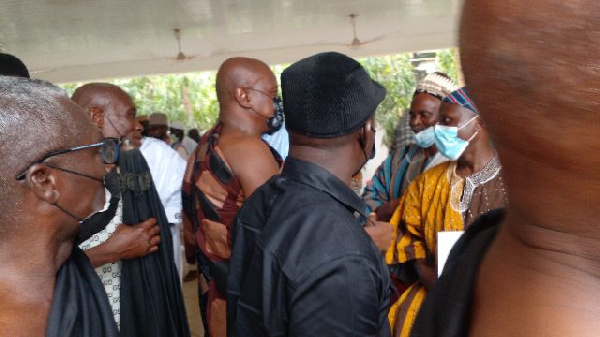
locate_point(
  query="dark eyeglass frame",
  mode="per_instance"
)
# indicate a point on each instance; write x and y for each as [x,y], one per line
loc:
[276,97]
[110,154]
[277,101]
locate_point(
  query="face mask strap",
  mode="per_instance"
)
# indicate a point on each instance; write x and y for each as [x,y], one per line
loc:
[468,122]
[68,213]
[121,137]
[75,173]
[473,136]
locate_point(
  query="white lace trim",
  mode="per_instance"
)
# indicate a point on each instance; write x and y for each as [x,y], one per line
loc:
[462,188]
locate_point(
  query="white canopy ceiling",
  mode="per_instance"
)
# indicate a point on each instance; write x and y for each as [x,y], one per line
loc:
[81,40]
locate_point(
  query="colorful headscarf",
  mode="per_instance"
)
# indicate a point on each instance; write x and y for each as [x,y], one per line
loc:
[461,97]
[436,84]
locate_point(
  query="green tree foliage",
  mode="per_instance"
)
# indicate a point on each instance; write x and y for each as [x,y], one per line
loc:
[397,75]
[191,98]
[445,62]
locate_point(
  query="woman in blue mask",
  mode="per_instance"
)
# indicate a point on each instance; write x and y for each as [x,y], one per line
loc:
[392,177]
[448,197]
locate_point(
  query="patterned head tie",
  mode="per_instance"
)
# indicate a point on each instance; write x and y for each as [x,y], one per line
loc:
[461,97]
[438,85]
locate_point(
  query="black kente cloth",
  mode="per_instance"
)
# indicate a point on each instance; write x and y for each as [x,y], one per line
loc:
[151,299]
[446,310]
[80,307]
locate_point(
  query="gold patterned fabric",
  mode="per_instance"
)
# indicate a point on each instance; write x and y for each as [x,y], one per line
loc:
[438,200]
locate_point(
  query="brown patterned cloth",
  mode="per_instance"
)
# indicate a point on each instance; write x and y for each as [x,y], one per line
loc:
[212,196]
[486,198]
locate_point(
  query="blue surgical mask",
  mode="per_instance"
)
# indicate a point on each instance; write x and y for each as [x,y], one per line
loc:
[448,142]
[425,138]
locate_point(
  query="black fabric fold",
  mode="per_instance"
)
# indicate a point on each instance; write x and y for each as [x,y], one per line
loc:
[80,306]
[98,221]
[446,311]
[151,299]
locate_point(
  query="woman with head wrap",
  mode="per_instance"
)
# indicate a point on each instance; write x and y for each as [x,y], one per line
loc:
[448,197]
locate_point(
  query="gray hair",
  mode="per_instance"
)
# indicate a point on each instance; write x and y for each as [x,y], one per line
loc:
[34,120]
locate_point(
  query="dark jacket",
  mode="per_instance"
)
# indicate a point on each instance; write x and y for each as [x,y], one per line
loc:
[301,263]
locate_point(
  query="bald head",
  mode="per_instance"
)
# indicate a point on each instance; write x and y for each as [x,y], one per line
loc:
[240,72]
[111,109]
[97,94]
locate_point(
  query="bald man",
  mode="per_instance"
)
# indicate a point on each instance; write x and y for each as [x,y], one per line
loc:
[230,162]
[533,271]
[126,252]
[50,180]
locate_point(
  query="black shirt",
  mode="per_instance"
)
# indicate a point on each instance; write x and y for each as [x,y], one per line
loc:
[301,263]
[446,310]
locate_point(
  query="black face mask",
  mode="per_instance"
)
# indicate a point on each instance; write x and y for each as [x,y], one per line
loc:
[371,156]
[64,210]
[361,141]
[362,147]
[276,122]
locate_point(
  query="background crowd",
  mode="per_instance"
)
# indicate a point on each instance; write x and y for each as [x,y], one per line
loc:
[264,206]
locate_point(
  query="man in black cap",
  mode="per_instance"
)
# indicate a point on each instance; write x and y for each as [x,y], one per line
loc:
[307,266]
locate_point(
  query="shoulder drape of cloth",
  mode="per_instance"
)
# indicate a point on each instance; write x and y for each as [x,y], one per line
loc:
[151,299]
[80,307]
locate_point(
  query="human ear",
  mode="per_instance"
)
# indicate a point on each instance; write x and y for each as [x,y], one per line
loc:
[42,181]
[479,124]
[369,133]
[242,97]
[97,117]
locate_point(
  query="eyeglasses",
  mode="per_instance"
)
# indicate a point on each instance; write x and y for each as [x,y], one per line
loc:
[277,102]
[274,98]
[109,149]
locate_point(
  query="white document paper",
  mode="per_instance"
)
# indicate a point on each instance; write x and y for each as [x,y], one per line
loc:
[445,242]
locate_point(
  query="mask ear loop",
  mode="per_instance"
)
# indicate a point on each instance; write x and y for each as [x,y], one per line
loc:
[468,122]
[121,137]
[363,144]
[361,141]
[475,134]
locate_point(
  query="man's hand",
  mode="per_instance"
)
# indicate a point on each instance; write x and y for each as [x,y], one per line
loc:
[135,241]
[385,211]
[381,233]
[127,242]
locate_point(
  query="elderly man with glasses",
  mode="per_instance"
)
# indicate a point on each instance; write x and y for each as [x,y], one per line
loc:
[123,241]
[49,181]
